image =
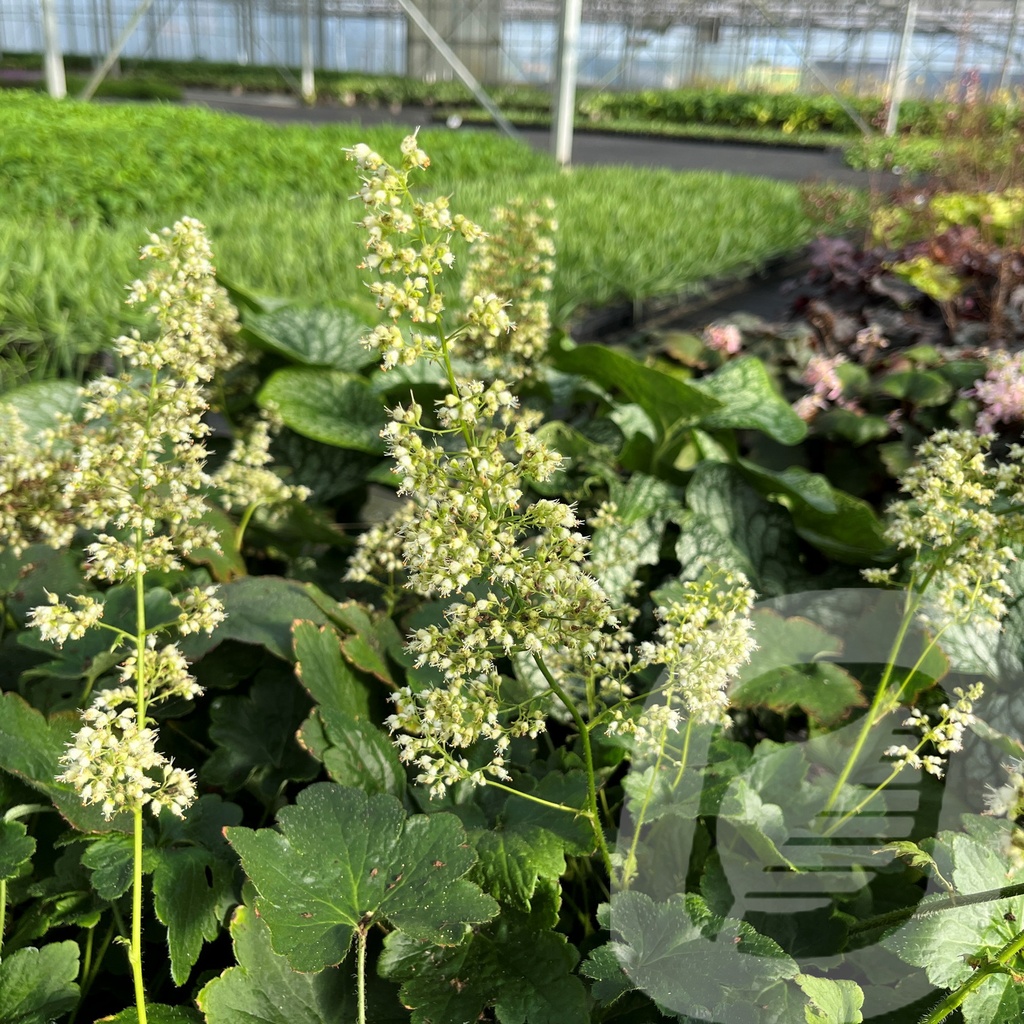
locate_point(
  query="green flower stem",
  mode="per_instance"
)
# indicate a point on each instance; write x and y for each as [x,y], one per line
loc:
[243,523]
[594,813]
[3,914]
[956,998]
[135,947]
[951,902]
[361,974]
[629,866]
[529,796]
[868,722]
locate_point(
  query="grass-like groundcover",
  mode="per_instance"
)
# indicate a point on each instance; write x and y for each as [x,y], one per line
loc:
[83,184]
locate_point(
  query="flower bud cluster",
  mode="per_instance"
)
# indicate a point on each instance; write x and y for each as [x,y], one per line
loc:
[952,525]
[408,244]
[515,570]
[703,641]
[114,763]
[946,735]
[244,481]
[133,473]
[515,262]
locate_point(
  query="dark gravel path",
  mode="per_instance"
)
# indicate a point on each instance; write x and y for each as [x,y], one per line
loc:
[590,148]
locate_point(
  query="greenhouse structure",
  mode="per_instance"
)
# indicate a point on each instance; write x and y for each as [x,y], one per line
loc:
[851,46]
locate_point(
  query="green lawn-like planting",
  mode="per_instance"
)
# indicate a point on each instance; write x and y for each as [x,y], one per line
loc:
[83,184]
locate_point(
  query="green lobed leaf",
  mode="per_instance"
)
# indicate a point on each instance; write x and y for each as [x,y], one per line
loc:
[342,858]
[156,1013]
[188,888]
[312,337]
[339,732]
[750,400]
[524,972]
[325,674]
[39,985]
[944,943]
[330,406]
[264,989]
[16,848]
[353,751]
[511,862]
[832,1002]
[691,961]
[110,860]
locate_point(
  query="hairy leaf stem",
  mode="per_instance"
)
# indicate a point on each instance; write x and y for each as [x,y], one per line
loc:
[951,902]
[996,965]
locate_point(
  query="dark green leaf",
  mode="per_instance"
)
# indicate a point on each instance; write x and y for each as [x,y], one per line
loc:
[665,398]
[524,973]
[313,337]
[342,858]
[156,1013]
[354,751]
[264,989]
[255,736]
[31,747]
[750,400]
[331,406]
[922,387]
[16,848]
[38,985]
[811,489]
[325,674]
[327,471]
[512,862]
[188,887]
[260,610]
[859,428]
[787,671]
[25,578]
[110,859]
[852,534]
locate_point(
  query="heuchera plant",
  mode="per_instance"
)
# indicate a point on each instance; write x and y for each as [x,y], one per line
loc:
[561,753]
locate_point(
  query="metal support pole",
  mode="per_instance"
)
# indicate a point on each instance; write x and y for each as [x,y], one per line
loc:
[1011,35]
[53,58]
[900,72]
[565,81]
[108,62]
[437,41]
[308,86]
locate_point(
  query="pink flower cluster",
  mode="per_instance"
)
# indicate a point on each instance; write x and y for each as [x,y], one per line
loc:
[726,338]
[1001,393]
[821,377]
